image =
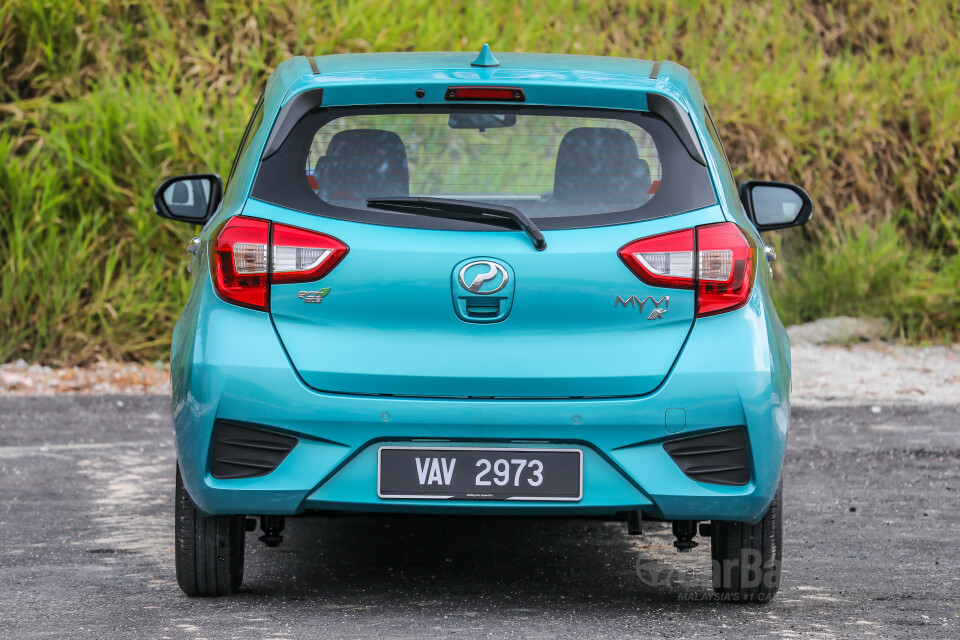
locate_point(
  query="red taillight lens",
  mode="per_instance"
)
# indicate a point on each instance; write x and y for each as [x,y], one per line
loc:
[239,259]
[300,255]
[727,266]
[239,262]
[663,261]
[724,272]
[508,94]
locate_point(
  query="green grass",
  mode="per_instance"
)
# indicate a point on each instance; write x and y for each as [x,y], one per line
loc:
[870,271]
[857,101]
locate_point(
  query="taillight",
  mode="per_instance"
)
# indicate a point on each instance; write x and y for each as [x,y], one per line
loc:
[240,251]
[663,261]
[300,255]
[722,276]
[727,266]
[239,260]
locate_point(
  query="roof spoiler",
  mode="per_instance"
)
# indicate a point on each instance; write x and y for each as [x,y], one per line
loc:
[289,115]
[679,121]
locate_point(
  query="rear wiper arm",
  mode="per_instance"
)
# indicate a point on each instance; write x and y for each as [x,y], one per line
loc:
[462,210]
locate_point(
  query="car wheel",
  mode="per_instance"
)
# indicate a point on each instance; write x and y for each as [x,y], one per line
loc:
[209,550]
[747,557]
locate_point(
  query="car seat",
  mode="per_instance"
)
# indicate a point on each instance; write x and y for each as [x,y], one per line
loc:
[361,164]
[599,169]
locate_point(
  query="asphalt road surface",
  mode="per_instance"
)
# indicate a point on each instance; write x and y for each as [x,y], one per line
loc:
[872,546]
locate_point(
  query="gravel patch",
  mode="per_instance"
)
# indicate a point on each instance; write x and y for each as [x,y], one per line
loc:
[22,379]
[875,372]
[842,330]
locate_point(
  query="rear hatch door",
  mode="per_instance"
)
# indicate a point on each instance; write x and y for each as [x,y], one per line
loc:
[576,322]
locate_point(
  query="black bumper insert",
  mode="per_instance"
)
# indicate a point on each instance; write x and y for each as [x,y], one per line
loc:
[718,458]
[241,451]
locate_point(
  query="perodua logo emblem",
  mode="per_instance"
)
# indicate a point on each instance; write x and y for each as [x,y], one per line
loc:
[485,277]
[474,281]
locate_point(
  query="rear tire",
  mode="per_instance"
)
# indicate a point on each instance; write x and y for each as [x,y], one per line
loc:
[209,550]
[747,557]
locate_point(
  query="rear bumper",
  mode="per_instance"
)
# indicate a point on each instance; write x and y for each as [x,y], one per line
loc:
[229,364]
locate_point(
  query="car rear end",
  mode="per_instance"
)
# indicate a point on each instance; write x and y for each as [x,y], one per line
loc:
[336,355]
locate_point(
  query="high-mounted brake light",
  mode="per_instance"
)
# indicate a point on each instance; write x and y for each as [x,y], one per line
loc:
[723,274]
[508,94]
[239,258]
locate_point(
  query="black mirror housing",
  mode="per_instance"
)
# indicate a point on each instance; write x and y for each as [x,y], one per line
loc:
[775,205]
[189,198]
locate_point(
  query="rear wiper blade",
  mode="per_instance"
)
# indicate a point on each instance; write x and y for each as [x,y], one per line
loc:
[462,210]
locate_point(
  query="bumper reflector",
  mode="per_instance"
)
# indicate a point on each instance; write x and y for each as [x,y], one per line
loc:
[717,458]
[241,451]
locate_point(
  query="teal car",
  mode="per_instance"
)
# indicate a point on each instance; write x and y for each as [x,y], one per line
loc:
[505,284]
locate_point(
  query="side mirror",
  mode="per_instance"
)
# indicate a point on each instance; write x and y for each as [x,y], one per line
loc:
[190,198]
[775,205]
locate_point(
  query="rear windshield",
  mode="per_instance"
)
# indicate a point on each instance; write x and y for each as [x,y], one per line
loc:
[563,168]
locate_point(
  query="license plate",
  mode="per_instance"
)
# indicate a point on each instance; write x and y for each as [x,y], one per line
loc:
[471,473]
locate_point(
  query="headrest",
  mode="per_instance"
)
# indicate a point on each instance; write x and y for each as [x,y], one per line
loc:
[602,166]
[361,164]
